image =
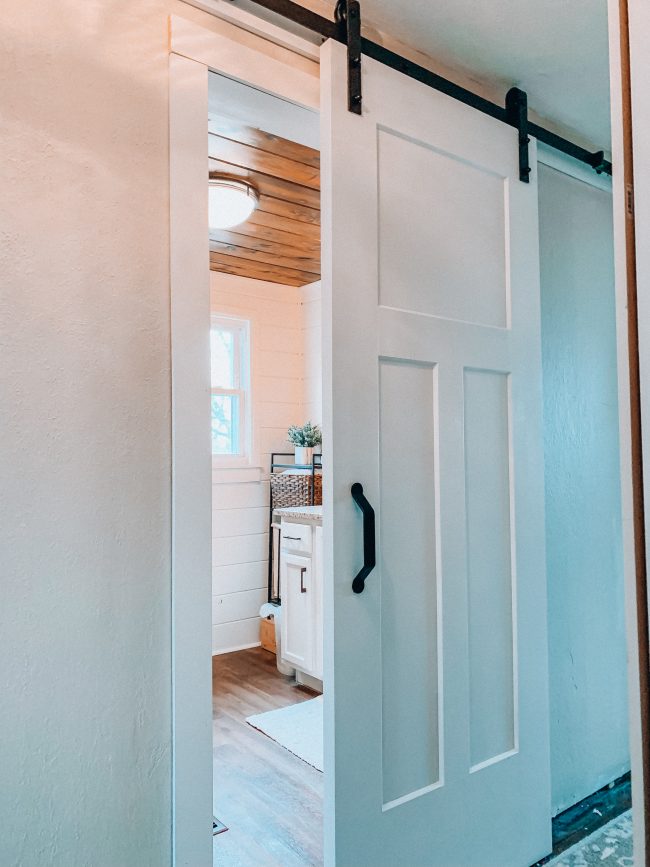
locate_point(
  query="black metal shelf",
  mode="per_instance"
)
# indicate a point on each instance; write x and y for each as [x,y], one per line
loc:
[316,464]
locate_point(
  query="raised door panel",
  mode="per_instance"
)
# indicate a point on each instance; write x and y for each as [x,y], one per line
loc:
[419,270]
[410,580]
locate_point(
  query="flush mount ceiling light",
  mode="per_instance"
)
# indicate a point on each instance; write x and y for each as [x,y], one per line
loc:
[231,202]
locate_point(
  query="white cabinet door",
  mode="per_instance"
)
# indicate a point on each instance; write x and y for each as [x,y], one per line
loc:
[317,566]
[298,612]
[436,709]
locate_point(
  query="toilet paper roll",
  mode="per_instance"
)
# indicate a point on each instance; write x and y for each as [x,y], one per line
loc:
[270,609]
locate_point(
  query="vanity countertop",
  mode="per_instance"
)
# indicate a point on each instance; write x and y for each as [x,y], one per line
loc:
[301,513]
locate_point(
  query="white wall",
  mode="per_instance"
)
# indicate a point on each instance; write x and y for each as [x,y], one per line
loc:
[241,497]
[85,432]
[312,397]
[85,457]
[587,645]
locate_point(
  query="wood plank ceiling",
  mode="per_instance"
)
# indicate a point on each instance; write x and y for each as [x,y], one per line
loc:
[280,242]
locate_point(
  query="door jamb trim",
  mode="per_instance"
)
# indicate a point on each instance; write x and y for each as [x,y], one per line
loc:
[194,51]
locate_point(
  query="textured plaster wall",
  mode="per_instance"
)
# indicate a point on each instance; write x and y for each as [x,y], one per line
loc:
[85,435]
[587,649]
[85,589]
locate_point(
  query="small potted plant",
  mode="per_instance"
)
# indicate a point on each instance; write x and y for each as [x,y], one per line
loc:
[305,438]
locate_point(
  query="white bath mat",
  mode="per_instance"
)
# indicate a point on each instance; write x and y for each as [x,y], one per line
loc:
[298,728]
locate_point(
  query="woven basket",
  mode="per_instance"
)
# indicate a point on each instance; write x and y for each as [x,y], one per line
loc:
[291,489]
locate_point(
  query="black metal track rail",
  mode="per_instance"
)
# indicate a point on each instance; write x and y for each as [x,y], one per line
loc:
[338,30]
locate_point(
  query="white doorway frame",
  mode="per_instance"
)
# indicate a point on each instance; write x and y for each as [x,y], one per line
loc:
[628,63]
[245,48]
[290,73]
[558,161]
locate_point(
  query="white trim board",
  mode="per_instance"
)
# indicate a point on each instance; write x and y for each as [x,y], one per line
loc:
[250,59]
[191,469]
[194,52]
[258,26]
[236,648]
[555,159]
[638,40]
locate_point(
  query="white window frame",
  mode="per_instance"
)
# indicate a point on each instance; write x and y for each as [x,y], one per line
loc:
[241,330]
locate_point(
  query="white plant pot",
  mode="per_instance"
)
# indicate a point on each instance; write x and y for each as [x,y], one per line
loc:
[304,455]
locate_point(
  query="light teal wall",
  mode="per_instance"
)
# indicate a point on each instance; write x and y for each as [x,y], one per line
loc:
[587,653]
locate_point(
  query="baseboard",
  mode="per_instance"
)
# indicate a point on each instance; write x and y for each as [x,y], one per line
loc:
[236,634]
[235,649]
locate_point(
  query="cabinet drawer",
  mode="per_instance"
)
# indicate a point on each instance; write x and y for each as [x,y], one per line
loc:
[296,537]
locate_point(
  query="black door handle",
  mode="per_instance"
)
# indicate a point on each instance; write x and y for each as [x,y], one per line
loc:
[369,557]
[303,589]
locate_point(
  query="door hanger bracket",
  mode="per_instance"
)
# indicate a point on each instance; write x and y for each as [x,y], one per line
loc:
[517,116]
[348,17]
[598,162]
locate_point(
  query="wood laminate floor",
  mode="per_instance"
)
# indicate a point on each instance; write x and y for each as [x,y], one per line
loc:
[270,800]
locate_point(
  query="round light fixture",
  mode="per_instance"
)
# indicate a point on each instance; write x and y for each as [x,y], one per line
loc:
[231,202]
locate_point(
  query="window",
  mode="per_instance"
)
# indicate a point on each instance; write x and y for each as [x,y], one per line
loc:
[230,363]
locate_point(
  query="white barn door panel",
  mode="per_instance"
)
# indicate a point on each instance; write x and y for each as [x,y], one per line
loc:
[437,731]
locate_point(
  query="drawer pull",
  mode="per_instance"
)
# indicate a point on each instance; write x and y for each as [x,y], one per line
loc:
[303,569]
[293,538]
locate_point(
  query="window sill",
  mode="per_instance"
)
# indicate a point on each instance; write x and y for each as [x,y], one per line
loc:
[235,475]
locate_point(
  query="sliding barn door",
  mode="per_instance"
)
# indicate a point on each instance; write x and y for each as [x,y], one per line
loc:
[437,729]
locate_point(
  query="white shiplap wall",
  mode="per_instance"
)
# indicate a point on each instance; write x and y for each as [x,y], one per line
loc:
[312,394]
[241,497]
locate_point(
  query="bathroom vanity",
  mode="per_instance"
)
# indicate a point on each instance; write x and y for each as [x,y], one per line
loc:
[301,556]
